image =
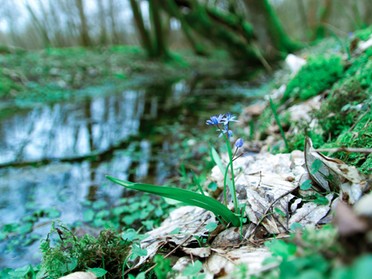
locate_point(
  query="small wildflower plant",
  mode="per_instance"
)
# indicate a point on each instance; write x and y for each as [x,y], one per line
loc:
[222,123]
[222,212]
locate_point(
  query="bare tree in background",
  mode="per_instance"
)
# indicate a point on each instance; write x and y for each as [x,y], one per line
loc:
[39,24]
[103,37]
[84,33]
[112,16]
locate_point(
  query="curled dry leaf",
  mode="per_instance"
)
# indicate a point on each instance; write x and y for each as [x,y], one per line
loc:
[333,175]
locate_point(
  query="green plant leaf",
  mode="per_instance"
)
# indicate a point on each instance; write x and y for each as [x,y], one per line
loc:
[279,212]
[185,196]
[321,200]
[99,272]
[20,272]
[281,248]
[306,185]
[211,226]
[88,215]
[192,269]
[129,235]
[315,166]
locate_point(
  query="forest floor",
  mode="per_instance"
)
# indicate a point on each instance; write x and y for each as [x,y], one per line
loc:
[325,96]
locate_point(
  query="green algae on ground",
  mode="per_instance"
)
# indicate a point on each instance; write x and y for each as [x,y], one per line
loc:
[317,75]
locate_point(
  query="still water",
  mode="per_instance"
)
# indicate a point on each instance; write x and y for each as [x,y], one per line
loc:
[56,156]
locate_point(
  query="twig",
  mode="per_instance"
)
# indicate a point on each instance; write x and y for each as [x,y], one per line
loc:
[267,210]
[345,149]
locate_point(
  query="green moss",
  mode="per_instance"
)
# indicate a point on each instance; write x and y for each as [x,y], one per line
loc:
[316,76]
[297,141]
[72,253]
[360,136]
[348,98]
[364,34]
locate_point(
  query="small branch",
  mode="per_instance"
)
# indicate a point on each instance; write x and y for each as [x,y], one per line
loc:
[267,211]
[345,149]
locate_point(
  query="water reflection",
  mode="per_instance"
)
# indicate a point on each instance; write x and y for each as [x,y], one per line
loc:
[71,129]
[120,124]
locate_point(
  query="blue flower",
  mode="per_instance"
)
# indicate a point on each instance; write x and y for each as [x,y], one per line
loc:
[226,130]
[229,118]
[215,120]
[239,143]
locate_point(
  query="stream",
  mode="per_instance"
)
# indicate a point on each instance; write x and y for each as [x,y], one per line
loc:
[56,156]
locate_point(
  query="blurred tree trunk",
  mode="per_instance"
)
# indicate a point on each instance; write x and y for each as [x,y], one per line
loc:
[102,23]
[220,27]
[114,31]
[143,32]
[318,18]
[59,39]
[159,44]
[302,11]
[84,34]
[39,24]
[325,12]
[171,8]
[268,28]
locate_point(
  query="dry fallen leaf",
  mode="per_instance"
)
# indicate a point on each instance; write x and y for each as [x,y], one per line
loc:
[334,175]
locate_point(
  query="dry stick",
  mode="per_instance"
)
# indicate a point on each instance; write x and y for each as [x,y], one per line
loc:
[345,149]
[267,210]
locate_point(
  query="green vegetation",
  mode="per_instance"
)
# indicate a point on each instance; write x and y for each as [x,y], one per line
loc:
[311,253]
[58,74]
[317,75]
[108,252]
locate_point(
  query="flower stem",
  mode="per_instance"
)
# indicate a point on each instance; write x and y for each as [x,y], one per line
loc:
[233,194]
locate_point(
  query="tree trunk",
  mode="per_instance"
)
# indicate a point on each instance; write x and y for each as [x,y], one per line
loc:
[144,34]
[102,23]
[159,44]
[171,8]
[325,12]
[84,34]
[268,28]
[114,31]
[39,25]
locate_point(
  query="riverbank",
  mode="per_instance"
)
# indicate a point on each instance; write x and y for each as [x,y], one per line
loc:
[327,98]
[54,75]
